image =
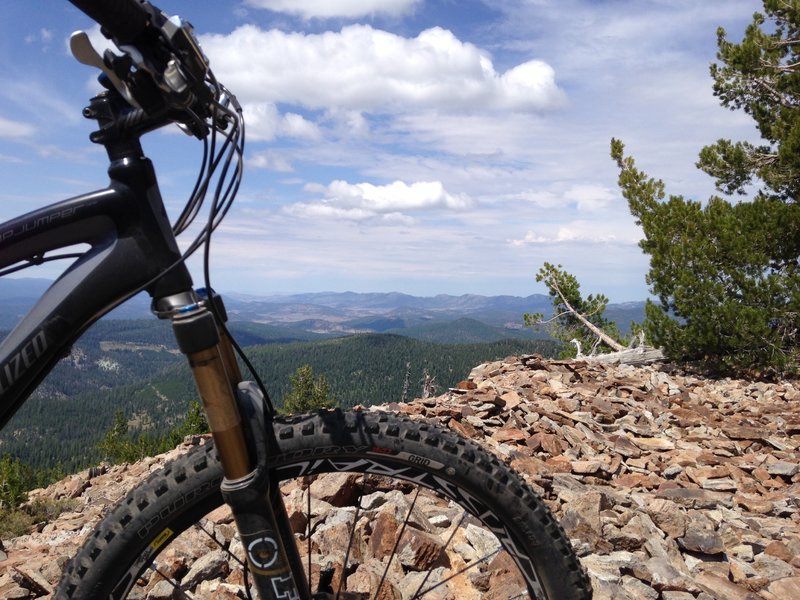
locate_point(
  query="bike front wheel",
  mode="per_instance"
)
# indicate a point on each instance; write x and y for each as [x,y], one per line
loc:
[381,507]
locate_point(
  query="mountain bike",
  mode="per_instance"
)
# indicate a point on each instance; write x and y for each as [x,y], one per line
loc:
[428,514]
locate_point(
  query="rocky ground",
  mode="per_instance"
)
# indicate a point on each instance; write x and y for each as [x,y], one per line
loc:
[671,486]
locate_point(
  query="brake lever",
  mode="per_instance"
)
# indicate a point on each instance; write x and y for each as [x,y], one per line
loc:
[172,76]
[83,51]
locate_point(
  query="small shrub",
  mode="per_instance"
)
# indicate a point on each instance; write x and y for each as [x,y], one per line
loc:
[22,520]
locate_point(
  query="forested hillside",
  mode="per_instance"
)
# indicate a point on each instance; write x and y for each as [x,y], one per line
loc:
[466,331]
[133,366]
[372,368]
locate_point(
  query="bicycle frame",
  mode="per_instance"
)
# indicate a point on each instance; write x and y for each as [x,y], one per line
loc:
[132,247]
[130,243]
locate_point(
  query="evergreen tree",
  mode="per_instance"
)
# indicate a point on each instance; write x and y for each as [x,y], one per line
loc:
[15,481]
[760,76]
[307,393]
[726,273]
[574,317]
[117,445]
[194,424]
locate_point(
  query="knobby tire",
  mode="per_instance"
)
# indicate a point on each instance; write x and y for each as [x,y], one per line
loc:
[125,546]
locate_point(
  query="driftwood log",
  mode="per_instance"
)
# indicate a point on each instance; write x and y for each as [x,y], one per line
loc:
[630,356]
[634,354]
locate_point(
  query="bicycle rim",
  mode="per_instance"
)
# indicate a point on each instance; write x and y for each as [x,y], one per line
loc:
[373,517]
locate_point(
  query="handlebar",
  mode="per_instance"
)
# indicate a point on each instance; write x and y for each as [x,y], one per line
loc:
[124,20]
[162,77]
[162,69]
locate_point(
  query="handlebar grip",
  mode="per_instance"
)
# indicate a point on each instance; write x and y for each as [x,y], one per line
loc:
[123,20]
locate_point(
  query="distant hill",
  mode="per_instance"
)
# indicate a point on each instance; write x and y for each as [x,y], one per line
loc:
[465,331]
[625,313]
[317,315]
[501,307]
[17,296]
[254,334]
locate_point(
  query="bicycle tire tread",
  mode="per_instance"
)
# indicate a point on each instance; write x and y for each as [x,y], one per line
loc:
[308,431]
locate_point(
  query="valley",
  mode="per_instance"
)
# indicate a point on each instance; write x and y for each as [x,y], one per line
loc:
[371,348]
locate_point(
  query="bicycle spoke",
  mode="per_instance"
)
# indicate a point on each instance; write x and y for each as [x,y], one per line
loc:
[308,535]
[441,552]
[352,534]
[243,564]
[213,537]
[171,581]
[397,541]
[464,569]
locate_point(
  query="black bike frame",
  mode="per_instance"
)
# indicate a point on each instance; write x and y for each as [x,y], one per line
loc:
[131,245]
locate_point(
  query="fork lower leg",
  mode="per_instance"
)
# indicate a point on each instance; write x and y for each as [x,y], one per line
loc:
[257,509]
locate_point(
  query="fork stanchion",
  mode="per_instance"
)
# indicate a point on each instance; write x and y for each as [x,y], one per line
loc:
[245,487]
[196,333]
[221,412]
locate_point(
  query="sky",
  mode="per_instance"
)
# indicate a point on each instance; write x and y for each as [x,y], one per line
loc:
[417,146]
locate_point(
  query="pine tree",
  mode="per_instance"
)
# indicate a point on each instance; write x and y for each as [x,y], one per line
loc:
[307,393]
[575,318]
[726,273]
[116,445]
[15,481]
[760,77]
[194,424]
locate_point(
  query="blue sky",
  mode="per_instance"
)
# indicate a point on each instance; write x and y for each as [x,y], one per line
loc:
[419,146]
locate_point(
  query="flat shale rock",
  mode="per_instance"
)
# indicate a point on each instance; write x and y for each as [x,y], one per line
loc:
[670,486]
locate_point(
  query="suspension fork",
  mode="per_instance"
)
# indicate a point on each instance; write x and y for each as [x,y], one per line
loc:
[235,411]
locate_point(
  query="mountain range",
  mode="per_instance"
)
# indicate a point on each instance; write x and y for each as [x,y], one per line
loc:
[440,318]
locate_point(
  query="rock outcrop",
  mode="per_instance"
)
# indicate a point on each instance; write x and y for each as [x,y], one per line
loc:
[670,486]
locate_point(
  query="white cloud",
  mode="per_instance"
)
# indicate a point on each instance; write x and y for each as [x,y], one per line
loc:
[389,203]
[477,133]
[265,122]
[538,198]
[327,211]
[582,231]
[566,199]
[43,36]
[364,69]
[262,121]
[351,123]
[270,160]
[309,9]
[591,197]
[15,129]
[298,126]
[395,196]
[524,83]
